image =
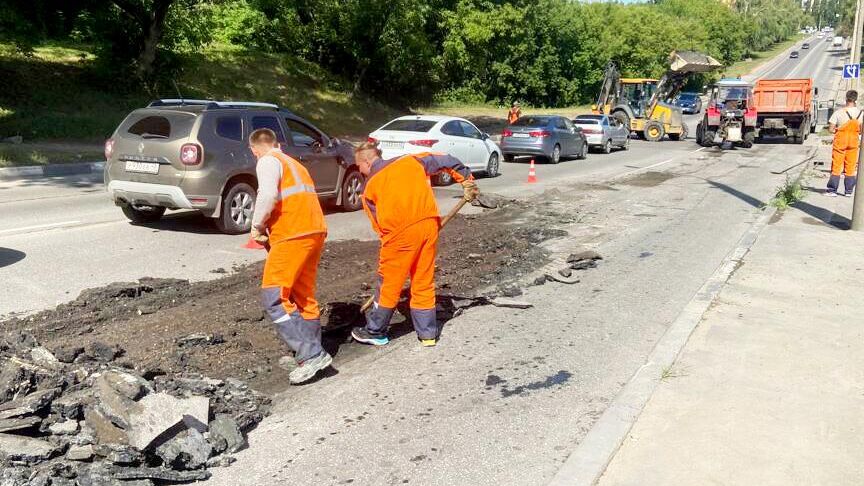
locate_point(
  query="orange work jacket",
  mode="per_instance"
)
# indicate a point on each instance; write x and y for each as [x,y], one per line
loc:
[397,192]
[297,211]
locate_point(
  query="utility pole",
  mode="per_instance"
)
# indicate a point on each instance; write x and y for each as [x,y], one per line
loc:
[858,203]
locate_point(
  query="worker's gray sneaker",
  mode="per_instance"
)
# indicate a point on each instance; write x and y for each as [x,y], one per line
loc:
[310,368]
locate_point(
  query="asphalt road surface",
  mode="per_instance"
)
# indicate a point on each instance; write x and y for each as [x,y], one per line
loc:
[508,393]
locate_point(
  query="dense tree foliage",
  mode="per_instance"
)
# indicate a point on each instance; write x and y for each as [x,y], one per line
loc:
[545,52]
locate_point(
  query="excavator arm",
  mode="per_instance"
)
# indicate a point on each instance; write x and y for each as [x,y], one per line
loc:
[609,90]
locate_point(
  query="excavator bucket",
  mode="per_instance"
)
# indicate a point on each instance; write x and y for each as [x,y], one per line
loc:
[692,62]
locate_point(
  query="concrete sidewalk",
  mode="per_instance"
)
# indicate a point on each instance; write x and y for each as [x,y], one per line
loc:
[770,388]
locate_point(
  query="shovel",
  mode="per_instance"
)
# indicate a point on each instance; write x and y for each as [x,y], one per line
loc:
[482,201]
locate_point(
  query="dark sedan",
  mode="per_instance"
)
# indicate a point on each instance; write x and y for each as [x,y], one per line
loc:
[689,102]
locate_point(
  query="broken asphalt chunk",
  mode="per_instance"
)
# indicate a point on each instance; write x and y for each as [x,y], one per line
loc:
[187,450]
[224,428]
[584,255]
[513,304]
[25,449]
[13,424]
[160,412]
[160,474]
[29,404]
[199,339]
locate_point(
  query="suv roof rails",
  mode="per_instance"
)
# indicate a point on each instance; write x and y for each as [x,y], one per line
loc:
[211,104]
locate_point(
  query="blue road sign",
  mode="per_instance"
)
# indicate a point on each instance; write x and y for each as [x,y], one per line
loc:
[851,71]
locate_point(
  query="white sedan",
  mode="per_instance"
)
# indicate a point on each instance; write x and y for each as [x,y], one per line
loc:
[427,133]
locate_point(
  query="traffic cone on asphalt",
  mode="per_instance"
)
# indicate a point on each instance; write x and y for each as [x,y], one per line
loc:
[253,245]
[532,173]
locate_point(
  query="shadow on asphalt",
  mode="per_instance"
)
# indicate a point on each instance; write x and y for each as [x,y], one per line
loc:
[84,181]
[8,256]
[756,203]
[824,215]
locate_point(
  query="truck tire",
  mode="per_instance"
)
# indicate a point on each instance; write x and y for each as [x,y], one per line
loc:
[708,138]
[238,204]
[142,214]
[749,138]
[654,131]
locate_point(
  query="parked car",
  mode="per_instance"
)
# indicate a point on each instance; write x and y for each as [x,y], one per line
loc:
[793,55]
[455,136]
[603,132]
[550,136]
[805,45]
[689,102]
[193,154]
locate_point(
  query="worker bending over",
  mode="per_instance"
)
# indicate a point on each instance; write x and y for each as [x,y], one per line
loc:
[401,206]
[845,124]
[288,216]
[514,113]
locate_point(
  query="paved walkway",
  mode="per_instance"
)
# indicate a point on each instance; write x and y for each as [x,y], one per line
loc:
[770,388]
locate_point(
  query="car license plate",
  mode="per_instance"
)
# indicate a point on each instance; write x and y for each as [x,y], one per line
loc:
[145,167]
[520,135]
[392,145]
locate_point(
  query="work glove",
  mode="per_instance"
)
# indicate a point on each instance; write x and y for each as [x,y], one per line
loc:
[259,236]
[471,190]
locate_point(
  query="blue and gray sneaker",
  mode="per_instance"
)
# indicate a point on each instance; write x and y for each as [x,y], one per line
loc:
[361,335]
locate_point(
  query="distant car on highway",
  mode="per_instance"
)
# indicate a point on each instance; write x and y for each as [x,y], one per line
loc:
[793,55]
[603,132]
[429,133]
[689,102]
[194,154]
[837,42]
[805,45]
[549,136]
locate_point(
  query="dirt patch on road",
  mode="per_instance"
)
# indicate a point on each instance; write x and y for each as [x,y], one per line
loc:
[648,179]
[217,327]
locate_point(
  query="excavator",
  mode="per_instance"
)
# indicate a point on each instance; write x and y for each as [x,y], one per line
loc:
[644,104]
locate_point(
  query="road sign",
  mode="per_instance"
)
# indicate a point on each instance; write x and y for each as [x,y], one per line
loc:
[851,71]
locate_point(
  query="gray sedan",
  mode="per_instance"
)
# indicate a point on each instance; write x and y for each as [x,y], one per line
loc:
[551,137]
[603,132]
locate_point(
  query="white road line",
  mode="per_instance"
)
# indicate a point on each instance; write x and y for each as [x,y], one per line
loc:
[658,164]
[39,227]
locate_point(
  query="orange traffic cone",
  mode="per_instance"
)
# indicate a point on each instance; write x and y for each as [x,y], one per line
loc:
[253,245]
[532,173]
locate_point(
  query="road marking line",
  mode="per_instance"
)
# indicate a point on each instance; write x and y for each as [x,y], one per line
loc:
[39,226]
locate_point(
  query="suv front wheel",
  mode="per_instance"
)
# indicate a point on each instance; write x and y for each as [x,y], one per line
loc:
[238,204]
[142,214]
[352,191]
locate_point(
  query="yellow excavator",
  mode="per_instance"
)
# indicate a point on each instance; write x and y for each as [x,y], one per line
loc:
[645,104]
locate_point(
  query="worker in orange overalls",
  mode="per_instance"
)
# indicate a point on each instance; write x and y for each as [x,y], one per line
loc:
[288,217]
[845,124]
[514,113]
[401,206]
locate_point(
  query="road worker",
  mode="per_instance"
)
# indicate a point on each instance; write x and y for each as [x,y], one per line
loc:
[514,113]
[845,124]
[401,206]
[289,219]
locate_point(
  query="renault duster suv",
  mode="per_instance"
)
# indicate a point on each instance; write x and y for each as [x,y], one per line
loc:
[193,154]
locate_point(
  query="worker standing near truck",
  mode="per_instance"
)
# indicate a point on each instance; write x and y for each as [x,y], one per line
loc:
[845,124]
[514,113]
[289,219]
[402,209]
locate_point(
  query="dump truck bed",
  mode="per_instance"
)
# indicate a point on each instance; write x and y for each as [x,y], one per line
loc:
[783,96]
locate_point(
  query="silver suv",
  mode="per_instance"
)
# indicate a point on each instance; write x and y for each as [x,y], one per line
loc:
[193,154]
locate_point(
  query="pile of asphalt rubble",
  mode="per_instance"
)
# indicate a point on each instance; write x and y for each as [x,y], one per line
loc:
[72,417]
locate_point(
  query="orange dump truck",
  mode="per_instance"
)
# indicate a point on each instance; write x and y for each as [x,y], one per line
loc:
[785,107]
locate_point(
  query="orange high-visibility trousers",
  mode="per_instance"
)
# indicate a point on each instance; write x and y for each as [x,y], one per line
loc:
[844,151]
[292,270]
[410,253]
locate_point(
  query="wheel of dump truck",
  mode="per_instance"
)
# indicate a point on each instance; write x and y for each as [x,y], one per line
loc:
[749,138]
[654,131]
[708,138]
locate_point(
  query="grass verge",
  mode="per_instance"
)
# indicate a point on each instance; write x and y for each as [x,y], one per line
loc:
[42,154]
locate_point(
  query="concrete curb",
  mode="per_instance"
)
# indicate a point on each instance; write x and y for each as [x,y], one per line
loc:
[51,170]
[589,460]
